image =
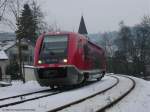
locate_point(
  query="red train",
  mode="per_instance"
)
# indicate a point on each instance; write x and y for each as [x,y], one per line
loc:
[66,58]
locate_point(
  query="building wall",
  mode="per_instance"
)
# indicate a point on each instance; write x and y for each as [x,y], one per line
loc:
[148,70]
[3,65]
[0,73]
[27,53]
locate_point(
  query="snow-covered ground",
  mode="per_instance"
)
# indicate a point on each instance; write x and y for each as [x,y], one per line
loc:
[100,101]
[45,104]
[137,101]
[18,88]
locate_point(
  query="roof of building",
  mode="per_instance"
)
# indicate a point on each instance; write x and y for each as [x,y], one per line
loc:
[82,27]
[3,55]
[6,45]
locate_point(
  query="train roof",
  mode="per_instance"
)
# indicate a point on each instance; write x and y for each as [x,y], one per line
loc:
[65,33]
[69,33]
[60,33]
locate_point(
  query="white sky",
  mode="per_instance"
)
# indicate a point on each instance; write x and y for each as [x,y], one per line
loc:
[99,15]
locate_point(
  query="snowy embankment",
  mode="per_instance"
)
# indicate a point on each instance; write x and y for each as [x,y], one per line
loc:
[47,103]
[102,100]
[137,101]
[18,88]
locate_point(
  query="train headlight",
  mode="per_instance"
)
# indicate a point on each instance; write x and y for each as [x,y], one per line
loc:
[39,62]
[65,60]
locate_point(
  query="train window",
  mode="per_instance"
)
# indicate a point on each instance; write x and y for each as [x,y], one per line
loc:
[96,60]
[79,43]
[86,51]
[54,49]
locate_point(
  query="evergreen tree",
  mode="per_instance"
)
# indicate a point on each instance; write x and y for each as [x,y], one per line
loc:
[26,29]
[27,25]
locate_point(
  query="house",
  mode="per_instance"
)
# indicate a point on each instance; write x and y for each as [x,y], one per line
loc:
[27,51]
[4,58]
[9,53]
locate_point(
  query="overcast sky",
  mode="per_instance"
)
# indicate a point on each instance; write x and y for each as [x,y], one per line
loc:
[99,15]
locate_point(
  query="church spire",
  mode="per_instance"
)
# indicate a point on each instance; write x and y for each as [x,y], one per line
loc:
[82,27]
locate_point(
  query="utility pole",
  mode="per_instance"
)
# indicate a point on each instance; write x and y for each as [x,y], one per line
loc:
[20,60]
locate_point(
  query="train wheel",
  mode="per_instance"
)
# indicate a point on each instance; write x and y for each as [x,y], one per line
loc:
[52,86]
[86,76]
[98,79]
[60,87]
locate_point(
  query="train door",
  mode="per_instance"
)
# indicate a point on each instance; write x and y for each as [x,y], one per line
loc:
[87,56]
[80,53]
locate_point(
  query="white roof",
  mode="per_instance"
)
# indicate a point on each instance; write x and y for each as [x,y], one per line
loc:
[3,55]
[8,45]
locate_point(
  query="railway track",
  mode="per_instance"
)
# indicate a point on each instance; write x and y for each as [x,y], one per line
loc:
[15,100]
[83,99]
[119,98]
[18,99]
[119,81]
[22,95]
[102,107]
[22,98]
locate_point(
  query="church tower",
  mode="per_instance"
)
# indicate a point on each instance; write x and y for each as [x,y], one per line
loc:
[82,27]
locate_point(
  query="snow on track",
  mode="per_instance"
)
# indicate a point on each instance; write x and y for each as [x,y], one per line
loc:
[100,101]
[25,98]
[137,101]
[18,89]
[48,103]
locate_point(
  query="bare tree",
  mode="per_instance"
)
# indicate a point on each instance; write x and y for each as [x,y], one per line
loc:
[3,4]
[13,9]
[42,25]
[107,43]
[145,21]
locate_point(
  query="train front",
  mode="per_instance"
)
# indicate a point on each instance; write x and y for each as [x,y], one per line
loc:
[51,61]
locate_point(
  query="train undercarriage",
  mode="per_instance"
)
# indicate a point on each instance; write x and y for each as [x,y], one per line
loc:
[65,76]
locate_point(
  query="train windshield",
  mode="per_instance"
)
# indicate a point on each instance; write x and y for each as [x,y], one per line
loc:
[54,49]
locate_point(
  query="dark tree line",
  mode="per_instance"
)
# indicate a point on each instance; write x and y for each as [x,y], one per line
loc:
[133,49]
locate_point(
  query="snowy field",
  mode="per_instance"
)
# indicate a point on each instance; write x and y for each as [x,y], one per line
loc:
[137,101]
[18,88]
